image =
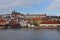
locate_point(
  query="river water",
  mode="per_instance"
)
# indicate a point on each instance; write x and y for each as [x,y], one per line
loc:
[30,34]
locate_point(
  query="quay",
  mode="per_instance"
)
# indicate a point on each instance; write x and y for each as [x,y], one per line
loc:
[48,26]
[42,26]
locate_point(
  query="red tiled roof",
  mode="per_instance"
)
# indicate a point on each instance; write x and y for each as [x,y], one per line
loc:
[2,20]
[50,22]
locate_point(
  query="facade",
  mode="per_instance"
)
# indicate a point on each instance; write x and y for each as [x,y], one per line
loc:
[34,15]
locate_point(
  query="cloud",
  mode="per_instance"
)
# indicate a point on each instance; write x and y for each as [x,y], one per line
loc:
[7,5]
[55,5]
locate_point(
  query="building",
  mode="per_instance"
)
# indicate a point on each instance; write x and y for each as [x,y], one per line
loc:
[35,15]
[17,14]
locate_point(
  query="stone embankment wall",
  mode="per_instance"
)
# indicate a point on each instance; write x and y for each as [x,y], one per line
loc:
[49,26]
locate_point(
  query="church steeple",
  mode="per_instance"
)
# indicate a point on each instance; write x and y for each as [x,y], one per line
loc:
[13,12]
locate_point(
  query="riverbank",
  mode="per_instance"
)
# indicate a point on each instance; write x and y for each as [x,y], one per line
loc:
[42,26]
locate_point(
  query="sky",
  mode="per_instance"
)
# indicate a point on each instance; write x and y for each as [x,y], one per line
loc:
[49,7]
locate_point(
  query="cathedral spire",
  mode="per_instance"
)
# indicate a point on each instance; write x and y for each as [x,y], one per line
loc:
[14,11]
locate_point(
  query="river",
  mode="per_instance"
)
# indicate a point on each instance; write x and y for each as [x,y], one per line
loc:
[30,34]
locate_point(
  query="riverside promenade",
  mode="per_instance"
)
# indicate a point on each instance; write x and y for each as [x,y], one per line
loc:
[48,26]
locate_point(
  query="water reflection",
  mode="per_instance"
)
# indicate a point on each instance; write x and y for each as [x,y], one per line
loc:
[30,34]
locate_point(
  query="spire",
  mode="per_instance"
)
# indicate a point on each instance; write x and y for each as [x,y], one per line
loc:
[14,11]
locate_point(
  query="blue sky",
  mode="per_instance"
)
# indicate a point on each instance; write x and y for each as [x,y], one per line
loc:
[50,7]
